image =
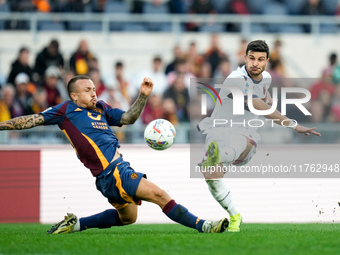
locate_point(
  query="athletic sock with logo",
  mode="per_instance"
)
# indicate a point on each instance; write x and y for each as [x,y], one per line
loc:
[181,215]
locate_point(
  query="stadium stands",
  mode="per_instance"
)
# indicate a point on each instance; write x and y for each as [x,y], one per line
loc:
[267,17]
[270,8]
[51,26]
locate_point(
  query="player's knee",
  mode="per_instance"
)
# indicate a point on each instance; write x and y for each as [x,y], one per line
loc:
[129,220]
[215,173]
[239,144]
[236,146]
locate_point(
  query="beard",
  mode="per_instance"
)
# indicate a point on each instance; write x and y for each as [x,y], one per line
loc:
[91,106]
[255,73]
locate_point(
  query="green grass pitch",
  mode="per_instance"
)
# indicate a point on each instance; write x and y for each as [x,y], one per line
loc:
[173,239]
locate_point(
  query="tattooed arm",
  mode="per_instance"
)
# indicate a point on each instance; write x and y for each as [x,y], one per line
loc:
[136,109]
[23,122]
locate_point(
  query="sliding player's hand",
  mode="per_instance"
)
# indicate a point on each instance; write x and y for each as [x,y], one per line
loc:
[306,130]
[146,87]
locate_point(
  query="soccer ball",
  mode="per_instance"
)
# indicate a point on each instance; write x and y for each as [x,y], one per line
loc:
[160,134]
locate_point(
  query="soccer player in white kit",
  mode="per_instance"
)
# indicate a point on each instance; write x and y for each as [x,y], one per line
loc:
[233,141]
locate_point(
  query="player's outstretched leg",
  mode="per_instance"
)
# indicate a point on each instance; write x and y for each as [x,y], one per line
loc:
[222,195]
[235,147]
[148,191]
[181,215]
[72,224]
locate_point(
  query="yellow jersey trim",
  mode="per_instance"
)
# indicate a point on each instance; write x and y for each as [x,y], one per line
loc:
[70,140]
[122,192]
[100,155]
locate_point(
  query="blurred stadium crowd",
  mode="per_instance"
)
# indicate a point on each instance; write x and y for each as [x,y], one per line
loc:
[163,7]
[31,88]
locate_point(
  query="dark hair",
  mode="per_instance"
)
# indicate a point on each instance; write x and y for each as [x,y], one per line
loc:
[72,82]
[23,49]
[119,64]
[54,44]
[258,46]
[332,58]
[180,61]
[157,59]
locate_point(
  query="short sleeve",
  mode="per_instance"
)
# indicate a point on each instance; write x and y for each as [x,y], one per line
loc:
[113,115]
[54,115]
[233,85]
[238,82]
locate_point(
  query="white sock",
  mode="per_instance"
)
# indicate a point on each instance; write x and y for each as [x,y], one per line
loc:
[76,227]
[233,150]
[222,195]
[206,228]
